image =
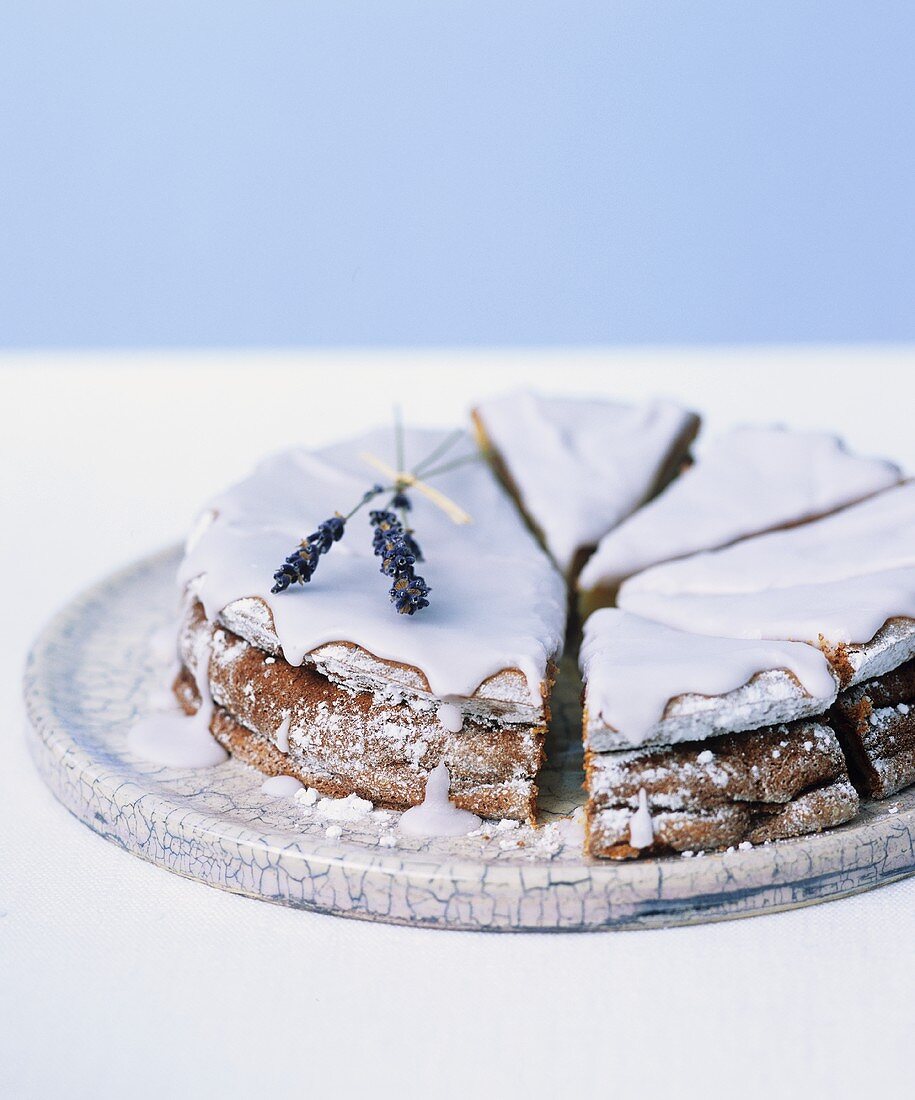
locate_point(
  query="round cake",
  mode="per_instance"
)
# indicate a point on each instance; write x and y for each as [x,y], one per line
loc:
[382,619]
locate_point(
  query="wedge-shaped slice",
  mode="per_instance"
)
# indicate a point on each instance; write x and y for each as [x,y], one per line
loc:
[747,481]
[663,699]
[845,583]
[477,662]
[579,467]
[647,684]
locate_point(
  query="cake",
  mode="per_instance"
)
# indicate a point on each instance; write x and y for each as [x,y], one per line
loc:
[845,583]
[326,682]
[748,481]
[695,743]
[577,468]
[748,687]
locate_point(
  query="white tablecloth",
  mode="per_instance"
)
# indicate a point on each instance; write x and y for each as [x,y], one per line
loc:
[119,979]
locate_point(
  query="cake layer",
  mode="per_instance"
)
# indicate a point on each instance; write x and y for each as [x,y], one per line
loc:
[747,481]
[876,726]
[497,614]
[745,788]
[577,467]
[646,684]
[292,720]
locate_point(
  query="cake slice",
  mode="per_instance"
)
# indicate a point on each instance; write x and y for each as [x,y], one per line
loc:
[327,682]
[845,583]
[876,725]
[694,742]
[739,789]
[578,467]
[748,481]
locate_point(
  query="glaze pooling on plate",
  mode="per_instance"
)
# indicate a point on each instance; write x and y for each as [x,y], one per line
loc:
[167,735]
[747,481]
[497,601]
[581,466]
[648,684]
[437,815]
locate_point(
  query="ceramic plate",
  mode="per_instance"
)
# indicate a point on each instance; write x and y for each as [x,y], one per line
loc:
[93,668]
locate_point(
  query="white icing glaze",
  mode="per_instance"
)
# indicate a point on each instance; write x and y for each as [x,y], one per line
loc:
[641,830]
[839,578]
[437,815]
[176,739]
[450,717]
[747,481]
[281,786]
[282,734]
[496,600]
[632,668]
[839,611]
[581,466]
[876,535]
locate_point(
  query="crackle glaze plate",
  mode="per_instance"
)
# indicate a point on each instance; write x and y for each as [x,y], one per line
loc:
[93,668]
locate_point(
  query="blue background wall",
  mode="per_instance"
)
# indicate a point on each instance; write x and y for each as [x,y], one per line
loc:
[463,173]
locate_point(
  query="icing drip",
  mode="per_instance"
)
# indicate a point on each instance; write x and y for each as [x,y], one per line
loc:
[497,604]
[581,466]
[633,667]
[281,786]
[641,830]
[437,815]
[748,481]
[282,735]
[450,717]
[176,739]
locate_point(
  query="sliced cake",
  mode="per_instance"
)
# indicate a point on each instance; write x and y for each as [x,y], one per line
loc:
[845,583]
[747,481]
[696,742]
[325,680]
[579,467]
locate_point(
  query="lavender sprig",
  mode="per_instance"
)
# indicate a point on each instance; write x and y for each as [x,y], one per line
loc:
[392,540]
[399,552]
[299,567]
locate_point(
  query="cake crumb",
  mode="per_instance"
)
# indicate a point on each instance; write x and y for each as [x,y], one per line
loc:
[350,808]
[705,757]
[332,832]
